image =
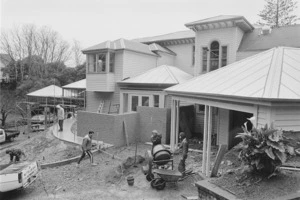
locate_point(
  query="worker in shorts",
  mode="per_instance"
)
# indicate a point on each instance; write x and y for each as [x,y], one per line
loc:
[15,154]
[86,148]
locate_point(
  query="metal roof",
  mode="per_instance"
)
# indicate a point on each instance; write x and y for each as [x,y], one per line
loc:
[76,85]
[120,44]
[222,21]
[157,48]
[163,74]
[282,36]
[49,91]
[165,37]
[273,74]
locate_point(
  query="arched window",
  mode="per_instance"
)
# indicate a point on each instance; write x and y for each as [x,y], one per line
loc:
[214,55]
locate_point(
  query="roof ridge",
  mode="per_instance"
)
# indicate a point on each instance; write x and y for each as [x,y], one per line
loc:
[170,73]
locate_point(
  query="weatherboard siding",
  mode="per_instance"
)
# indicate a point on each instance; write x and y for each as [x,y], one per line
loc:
[184,58]
[262,116]
[230,37]
[287,118]
[135,63]
[165,59]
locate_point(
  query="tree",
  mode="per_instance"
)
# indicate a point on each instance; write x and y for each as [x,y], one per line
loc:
[29,42]
[278,13]
[78,56]
[7,104]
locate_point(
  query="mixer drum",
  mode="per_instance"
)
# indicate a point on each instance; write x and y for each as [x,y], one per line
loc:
[161,153]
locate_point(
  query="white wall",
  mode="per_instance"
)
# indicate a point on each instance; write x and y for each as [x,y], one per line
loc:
[286,118]
[183,59]
[135,63]
[165,59]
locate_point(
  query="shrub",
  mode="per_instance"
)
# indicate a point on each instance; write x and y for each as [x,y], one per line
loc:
[263,150]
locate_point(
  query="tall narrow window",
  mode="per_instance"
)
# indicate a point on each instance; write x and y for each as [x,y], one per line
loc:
[145,101]
[111,62]
[156,100]
[214,55]
[193,55]
[224,56]
[101,67]
[204,59]
[134,102]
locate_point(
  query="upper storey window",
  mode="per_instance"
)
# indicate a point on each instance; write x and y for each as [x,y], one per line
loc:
[214,57]
[98,63]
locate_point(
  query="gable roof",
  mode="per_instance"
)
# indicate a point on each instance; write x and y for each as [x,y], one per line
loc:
[222,21]
[120,44]
[49,91]
[157,48]
[162,75]
[76,85]
[166,37]
[282,36]
[272,75]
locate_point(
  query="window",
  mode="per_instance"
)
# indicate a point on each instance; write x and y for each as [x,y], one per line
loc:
[145,101]
[101,67]
[97,62]
[134,102]
[156,100]
[204,58]
[224,56]
[193,55]
[214,55]
[111,62]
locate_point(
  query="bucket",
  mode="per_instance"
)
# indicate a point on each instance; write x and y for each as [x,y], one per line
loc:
[130,180]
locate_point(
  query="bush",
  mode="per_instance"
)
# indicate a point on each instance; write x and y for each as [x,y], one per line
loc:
[263,150]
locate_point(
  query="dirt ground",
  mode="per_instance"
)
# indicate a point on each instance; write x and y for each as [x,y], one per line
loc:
[252,186]
[104,181]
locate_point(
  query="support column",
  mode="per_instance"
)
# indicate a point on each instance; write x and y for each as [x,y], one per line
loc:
[204,140]
[177,122]
[209,133]
[172,138]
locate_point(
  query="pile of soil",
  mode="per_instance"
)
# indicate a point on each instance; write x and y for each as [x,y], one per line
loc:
[126,168]
[250,186]
[44,148]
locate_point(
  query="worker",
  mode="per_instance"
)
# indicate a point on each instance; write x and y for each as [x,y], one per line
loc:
[184,145]
[60,116]
[155,139]
[15,154]
[86,148]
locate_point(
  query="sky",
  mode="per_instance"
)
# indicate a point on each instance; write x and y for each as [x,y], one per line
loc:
[94,21]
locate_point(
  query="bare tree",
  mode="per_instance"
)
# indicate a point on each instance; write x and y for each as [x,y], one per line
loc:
[7,104]
[29,41]
[78,56]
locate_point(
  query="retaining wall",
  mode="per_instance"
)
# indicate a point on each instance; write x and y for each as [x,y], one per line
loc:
[139,125]
[109,127]
[154,119]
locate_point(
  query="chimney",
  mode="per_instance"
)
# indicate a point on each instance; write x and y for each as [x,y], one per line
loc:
[265,30]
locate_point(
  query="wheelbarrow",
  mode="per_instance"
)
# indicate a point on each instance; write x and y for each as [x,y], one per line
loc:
[163,176]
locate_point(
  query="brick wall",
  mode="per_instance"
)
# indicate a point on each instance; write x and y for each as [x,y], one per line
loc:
[110,127]
[154,119]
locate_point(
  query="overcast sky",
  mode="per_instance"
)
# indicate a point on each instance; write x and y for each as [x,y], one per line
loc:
[94,21]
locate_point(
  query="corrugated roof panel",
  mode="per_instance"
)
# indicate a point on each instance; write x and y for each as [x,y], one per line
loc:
[49,91]
[271,74]
[77,85]
[160,75]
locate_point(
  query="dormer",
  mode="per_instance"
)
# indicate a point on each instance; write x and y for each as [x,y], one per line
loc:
[217,40]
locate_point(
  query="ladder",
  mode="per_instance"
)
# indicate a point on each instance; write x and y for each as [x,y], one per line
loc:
[99,110]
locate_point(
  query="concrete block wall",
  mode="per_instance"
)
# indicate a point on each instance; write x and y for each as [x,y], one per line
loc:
[110,127]
[154,119]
